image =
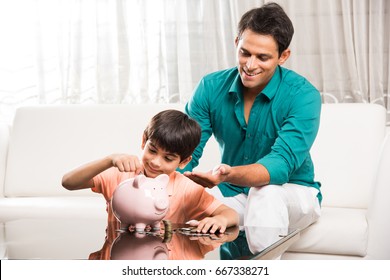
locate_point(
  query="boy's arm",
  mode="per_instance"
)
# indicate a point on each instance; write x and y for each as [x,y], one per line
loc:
[227,213]
[81,177]
[222,218]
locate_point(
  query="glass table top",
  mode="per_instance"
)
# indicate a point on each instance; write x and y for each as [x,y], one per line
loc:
[68,239]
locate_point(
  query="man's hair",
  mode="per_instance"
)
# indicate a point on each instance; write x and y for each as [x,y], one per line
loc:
[175,132]
[269,19]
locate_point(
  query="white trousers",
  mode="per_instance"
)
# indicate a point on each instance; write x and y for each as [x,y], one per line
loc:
[282,206]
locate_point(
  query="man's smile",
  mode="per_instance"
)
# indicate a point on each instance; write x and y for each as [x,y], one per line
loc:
[251,74]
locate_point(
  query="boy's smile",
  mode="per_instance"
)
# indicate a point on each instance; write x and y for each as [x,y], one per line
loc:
[157,161]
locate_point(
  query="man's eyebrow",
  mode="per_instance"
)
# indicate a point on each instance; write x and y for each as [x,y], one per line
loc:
[244,49]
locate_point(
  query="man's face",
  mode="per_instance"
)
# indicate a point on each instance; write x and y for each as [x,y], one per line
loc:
[257,58]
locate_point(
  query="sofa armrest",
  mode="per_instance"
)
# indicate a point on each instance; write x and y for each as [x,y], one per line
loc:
[4,138]
[379,208]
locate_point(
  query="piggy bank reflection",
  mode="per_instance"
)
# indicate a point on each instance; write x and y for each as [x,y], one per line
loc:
[141,201]
[138,246]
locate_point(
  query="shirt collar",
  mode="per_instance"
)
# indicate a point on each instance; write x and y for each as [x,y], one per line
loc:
[269,91]
[272,87]
[236,86]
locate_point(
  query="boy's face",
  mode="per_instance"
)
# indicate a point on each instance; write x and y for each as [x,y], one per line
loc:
[157,161]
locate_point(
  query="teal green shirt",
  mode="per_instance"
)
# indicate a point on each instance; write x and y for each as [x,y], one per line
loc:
[281,128]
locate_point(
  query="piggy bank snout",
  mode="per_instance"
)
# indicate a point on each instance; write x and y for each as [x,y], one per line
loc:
[161,203]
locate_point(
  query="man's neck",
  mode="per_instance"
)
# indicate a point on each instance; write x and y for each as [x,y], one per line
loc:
[249,99]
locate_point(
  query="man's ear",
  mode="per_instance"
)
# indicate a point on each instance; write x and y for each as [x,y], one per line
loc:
[284,56]
[236,41]
[184,162]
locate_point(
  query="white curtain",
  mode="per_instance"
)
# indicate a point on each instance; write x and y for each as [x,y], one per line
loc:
[342,47]
[140,51]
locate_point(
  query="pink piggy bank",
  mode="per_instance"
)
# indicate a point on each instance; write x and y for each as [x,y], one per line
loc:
[141,201]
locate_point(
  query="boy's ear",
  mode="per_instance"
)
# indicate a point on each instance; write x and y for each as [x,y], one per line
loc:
[184,162]
[143,141]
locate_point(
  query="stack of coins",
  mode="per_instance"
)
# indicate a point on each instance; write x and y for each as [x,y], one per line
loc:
[167,231]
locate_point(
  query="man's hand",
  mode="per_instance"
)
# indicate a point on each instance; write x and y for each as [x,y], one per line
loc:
[211,178]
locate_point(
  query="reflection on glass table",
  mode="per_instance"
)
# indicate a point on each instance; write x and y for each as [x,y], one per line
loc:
[178,242]
[82,238]
[259,243]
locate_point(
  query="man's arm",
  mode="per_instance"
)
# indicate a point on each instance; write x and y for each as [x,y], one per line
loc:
[252,175]
[198,109]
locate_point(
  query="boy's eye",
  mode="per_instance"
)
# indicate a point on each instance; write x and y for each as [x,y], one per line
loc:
[153,151]
[168,159]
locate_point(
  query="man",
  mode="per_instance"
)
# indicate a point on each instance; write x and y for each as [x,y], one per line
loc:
[265,119]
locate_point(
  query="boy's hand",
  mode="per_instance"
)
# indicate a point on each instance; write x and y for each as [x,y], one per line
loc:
[211,178]
[127,163]
[216,224]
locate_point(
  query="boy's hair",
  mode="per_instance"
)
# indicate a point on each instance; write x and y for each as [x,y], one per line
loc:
[175,132]
[269,19]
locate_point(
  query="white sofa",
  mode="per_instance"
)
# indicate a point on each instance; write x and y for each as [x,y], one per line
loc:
[350,158]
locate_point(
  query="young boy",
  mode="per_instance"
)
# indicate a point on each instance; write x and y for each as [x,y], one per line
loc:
[168,143]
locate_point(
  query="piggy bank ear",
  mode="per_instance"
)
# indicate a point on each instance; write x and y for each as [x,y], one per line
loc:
[163,179]
[138,181]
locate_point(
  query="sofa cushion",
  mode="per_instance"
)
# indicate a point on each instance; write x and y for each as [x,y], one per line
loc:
[377,215]
[48,141]
[339,231]
[345,152]
[4,136]
[52,207]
